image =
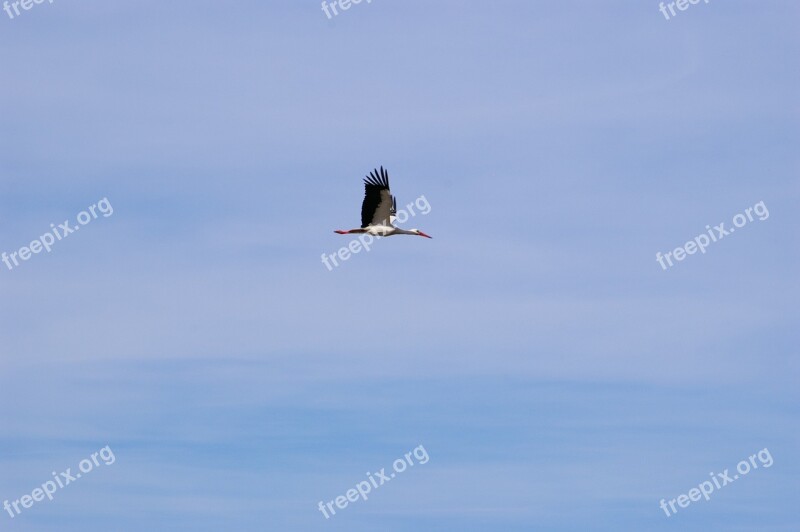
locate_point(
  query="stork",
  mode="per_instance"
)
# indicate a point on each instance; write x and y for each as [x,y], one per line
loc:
[379,208]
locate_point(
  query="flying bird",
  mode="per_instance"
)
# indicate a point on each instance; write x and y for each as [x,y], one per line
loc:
[379,208]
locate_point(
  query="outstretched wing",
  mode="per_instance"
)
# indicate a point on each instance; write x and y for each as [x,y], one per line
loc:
[393,213]
[377,206]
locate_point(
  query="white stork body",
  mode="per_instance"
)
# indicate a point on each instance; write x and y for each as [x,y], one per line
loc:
[379,208]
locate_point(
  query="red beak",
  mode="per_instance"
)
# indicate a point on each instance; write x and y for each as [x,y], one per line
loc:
[423,234]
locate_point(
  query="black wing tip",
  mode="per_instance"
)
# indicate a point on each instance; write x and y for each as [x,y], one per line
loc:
[377,178]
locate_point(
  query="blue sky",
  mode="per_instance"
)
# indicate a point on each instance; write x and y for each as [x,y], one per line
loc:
[558,378]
